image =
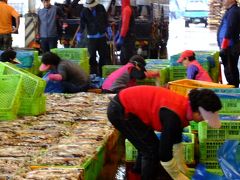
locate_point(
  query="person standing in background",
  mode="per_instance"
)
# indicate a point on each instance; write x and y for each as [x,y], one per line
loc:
[134,6]
[49,25]
[125,38]
[228,41]
[6,29]
[94,17]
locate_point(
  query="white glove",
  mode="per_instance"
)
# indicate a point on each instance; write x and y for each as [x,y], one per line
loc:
[178,155]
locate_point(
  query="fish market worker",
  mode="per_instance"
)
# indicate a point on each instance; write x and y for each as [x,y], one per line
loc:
[194,69]
[127,75]
[140,110]
[64,76]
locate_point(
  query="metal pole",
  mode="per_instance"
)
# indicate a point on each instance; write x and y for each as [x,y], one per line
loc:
[31,6]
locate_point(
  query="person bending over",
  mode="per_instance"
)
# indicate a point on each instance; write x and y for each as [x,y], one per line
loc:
[140,110]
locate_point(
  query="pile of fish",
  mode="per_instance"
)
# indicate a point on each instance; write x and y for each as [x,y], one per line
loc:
[55,145]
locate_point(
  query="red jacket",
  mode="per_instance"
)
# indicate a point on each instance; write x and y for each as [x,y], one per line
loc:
[202,74]
[126,18]
[146,102]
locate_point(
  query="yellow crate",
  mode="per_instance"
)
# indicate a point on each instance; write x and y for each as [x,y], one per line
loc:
[183,86]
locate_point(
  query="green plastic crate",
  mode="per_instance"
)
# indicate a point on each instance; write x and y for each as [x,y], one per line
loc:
[187,129]
[10,93]
[93,166]
[164,75]
[32,106]
[210,164]
[108,69]
[194,125]
[229,130]
[230,98]
[230,104]
[131,151]
[213,171]
[208,150]
[147,81]
[33,86]
[177,72]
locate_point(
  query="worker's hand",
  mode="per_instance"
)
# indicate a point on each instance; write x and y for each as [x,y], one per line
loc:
[223,52]
[55,77]
[152,74]
[109,33]
[79,37]
[119,42]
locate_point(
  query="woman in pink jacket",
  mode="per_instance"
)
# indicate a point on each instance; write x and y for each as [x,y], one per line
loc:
[127,75]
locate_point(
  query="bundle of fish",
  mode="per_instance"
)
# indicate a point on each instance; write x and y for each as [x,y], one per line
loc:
[72,130]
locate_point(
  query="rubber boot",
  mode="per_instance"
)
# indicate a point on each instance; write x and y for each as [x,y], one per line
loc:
[172,169]
[178,155]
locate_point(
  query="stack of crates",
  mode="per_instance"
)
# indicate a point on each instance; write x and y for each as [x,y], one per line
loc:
[33,101]
[77,55]
[210,140]
[10,93]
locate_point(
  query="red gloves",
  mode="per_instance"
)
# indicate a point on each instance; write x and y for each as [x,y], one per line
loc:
[55,77]
[152,74]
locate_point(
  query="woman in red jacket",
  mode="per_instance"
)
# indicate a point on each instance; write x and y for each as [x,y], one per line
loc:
[194,69]
[139,111]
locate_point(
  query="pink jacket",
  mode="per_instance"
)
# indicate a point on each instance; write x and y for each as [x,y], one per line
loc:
[202,73]
[119,79]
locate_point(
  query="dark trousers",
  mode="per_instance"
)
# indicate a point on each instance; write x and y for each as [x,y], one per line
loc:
[5,41]
[69,87]
[100,45]
[230,63]
[48,43]
[141,136]
[128,49]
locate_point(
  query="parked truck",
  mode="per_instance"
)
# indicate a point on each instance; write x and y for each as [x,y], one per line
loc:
[196,11]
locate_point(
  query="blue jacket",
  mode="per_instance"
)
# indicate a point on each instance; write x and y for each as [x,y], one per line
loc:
[230,26]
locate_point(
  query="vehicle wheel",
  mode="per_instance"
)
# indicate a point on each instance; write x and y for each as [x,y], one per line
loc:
[206,24]
[186,24]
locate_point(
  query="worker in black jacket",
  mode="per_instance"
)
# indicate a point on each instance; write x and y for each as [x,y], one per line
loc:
[94,18]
